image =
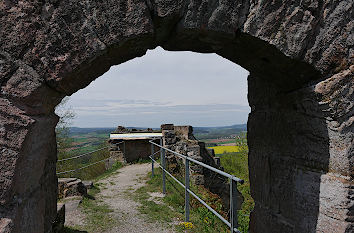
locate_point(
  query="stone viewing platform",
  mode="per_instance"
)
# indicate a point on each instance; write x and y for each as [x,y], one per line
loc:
[129,145]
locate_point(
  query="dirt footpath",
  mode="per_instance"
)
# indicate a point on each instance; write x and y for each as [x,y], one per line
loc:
[116,195]
[116,192]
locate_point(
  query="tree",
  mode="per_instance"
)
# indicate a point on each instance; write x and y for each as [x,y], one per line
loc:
[66,115]
[241,142]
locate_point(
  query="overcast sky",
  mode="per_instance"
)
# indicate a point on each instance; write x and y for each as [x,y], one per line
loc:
[165,87]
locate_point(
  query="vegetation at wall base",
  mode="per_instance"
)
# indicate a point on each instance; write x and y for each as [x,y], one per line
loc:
[70,144]
[171,207]
[98,217]
[97,214]
[237,164]
[71,230]
[87,173]
[114,169]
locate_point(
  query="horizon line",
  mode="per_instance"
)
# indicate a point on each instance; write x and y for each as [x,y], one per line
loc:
[155,127]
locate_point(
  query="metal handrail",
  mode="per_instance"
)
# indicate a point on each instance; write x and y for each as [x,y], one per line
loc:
[80,168]
[82,155]
[202,164]
[193,194]
[233,185]
[79,156]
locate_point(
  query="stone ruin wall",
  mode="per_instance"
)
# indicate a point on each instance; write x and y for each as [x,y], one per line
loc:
[182,140]
[131,150]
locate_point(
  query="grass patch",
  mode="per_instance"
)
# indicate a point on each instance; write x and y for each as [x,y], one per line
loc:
[98,215]
[117,165]
[172,207]
[237,164]
[155,212]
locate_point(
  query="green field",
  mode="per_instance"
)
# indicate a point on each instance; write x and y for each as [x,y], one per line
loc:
[204,133]
[81,142]
[225,149]
[87,141]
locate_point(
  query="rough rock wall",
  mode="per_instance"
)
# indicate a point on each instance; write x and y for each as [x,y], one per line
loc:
[181,140]
[304,167]
[300,56]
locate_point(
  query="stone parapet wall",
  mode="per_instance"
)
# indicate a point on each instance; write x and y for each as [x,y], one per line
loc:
[68,187]
[181,140]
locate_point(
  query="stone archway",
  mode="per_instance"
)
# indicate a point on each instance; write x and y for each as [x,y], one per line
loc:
[300,58]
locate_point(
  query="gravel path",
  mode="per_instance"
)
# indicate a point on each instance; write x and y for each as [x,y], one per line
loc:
[116,195]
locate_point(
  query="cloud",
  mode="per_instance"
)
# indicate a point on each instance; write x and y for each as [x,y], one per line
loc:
[200,115]
[165,86]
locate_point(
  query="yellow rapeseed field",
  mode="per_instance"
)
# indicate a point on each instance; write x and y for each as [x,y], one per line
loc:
[224,149]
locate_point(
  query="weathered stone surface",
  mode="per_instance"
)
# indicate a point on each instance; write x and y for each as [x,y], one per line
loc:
[182,140]
[68,187]
[88,184]
[6,225]
[116,156]
[197,179]
[59,222]
[300,56]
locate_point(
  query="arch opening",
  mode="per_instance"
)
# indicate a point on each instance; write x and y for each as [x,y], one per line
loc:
[207,92]
[282,151]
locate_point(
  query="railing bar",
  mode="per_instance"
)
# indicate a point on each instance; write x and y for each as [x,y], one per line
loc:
[152,162]
[211,209]
[154,154]
[186,194]
[163,163]
[82,167]
[231,207]
[79,156]
[202,164]
[200,200]
[174,178]
[196,197]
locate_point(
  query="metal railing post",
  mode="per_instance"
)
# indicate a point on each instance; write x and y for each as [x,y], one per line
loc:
[186,193]
[233,204]
[152,161]
[232,223]
[163,153]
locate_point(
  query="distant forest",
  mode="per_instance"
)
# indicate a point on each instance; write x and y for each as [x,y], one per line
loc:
[199,132]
